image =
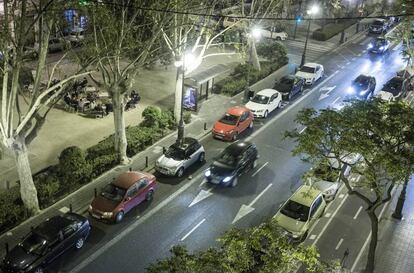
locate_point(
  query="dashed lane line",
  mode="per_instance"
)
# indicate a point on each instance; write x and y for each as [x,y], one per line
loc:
[336,100]
[357,213]
[193,229]
[339,244]
[258,170]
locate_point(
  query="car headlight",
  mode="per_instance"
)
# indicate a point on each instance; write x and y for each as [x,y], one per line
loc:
[370,46]
[227,179]
[350,90]
[230,132]
[330,191]
[90,208]
[381,48]
[207,173]
[295,235]
[107,214]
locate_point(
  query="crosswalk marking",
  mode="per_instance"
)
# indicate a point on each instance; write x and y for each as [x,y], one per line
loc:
[364,42]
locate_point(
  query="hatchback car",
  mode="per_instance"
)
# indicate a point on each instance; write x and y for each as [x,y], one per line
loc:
[379,45]
[231,163]
[236,120]
[379,26]
[180,157]
[47,242]
[126,192]
[264,102]
[394,89]
[362,87]
[300,211]
[310,72]
[290,86]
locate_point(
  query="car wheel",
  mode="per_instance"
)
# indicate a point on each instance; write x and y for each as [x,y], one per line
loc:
[265,114]
[79,243]
[119,217]
[303,238]
[234,137]
[201,157]
[255,163]
[278,38]
[149,195]
[38,270]
[279,104]
[180,172]
[234,182]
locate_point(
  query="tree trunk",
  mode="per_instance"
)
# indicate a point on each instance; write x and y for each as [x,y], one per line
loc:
[119,123]
[28,191]
[178,94]
[253,58]
[369,268]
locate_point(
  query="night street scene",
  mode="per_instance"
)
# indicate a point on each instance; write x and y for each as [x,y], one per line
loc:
[214,136]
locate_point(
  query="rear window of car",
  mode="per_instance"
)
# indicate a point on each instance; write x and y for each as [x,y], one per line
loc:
[307,69]
[378,23]
[296,211]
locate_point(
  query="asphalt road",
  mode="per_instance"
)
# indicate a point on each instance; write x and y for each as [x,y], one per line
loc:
[150,230]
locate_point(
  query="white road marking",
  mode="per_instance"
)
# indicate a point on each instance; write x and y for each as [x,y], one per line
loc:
[258,170]
[260,195]
[341,195]
[138,216]
[365,41]
[312,237]
[339,244]
[327,215]
[369,236]
[64,209]
[336,100]
[357,213]
[192,230]
[303,130]
[348,63]
[203,194]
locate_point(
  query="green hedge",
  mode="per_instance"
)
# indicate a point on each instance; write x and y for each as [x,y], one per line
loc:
[331,29]
[77,167]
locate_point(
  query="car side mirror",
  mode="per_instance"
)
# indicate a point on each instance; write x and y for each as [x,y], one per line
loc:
[127,198]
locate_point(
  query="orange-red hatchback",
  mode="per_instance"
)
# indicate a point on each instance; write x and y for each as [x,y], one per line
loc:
[123,194]
[234,122]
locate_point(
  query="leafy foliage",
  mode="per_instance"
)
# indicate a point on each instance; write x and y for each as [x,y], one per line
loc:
[273,51]
[73,167]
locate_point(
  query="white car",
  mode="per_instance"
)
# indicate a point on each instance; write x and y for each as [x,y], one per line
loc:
[311,72]
[75,36]
[394,89]
[277,35]
[264,102]
[180,157]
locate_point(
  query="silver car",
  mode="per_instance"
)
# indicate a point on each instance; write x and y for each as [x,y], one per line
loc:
[180,157]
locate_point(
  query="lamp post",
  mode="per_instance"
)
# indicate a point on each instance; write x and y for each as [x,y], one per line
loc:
[310,12]
[181,66]
[256,34]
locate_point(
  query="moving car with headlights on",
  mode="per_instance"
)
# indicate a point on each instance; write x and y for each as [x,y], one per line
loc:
[394,89]
[264,102]
[235,159]
[310,72]
[300,211]
[290,86]
[178,158]
[362,87]
[236,120]
[379,45]
[47,242]
[127,191]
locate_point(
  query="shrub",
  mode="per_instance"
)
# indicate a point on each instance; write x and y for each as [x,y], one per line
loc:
[187,117]
[103,163]
[48,190]
[104,147]
[139,138]
[233,87]
[73,167]
[12,210]
[273,51]
[151,116]
[167,120]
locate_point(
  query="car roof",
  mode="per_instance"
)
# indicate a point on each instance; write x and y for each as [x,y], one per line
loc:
[238,147]
[267,92]
[50,228]
[379,20]
[311,64]
[362,76]
[237,110]
[290,77]
[305,195]
[125,180]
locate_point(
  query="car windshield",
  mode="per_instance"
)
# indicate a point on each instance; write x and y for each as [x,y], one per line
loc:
[378,23]
[285,84]
[175,152]
[229,119]
[228,159]
[296,211]
[379,42]
[113,192]
[34,243]
[393,86]
[307,69]
[260,99]
[361,81]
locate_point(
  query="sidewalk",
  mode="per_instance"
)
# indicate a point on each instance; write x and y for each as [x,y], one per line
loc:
[210,111]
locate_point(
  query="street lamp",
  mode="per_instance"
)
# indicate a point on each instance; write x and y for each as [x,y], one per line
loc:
[186,61]
[312,11]
[255,34]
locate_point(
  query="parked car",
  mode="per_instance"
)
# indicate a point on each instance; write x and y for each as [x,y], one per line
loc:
[75,36]
[379,45]
[57,44]
[232,162]
[234,122]
[264,102]
[394,89]
[311,72]
[180,157]
[362,87]
[379,26]
[274,33]
[408,74]
[46,242]
[127,191]
[290,86]
[297,215]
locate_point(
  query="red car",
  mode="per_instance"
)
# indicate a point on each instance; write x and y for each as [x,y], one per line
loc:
[235,121]
[122,195]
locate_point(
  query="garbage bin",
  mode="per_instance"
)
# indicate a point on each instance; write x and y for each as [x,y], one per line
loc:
[248,93]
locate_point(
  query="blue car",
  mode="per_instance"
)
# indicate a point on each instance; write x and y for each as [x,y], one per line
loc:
[379,45]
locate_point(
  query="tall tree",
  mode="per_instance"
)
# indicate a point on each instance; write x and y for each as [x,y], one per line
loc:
[381,132]
[122,38]
[21,117]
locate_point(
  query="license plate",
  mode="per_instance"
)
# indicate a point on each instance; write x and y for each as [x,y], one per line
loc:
[218,136]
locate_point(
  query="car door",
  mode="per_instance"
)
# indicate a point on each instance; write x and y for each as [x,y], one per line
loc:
[243,121]
[189,156]
[55,248]
[319,72]
[142,189]
[131,198]
[315,211]
[275,100]
[243,162]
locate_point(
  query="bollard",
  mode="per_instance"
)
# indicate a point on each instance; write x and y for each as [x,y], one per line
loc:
[6,245]
[70,208]
[8,184]
[31,228]
[130,169]
[163,149]
[95,192]
[205,126]
[146,162]
[342,37]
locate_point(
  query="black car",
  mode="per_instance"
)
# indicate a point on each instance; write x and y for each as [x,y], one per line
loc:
[397,86]
[362,87]
[290,86]
[379,45]
[237,158]
[46,242]
[379,26]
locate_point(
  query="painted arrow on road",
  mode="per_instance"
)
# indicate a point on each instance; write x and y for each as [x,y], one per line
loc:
[246,209]
[328,90]
[203,194]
